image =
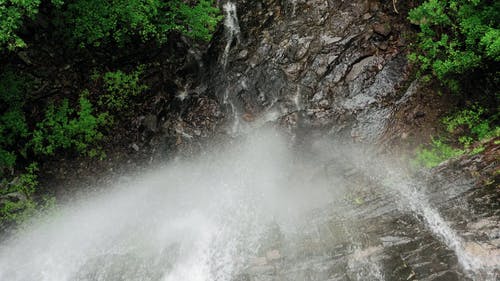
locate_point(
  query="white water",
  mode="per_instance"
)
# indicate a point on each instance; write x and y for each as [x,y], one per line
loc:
[232,31]
[231,28]
[411,197]
[197,220]
[205,219]
[235,128]
[414,200]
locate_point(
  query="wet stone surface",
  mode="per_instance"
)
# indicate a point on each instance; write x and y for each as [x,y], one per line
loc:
[334,64]
[372,234]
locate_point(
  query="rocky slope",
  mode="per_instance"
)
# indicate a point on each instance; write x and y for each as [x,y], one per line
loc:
[335,66]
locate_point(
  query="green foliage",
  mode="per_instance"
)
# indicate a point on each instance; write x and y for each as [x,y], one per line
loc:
[12,16]
[94,22]
[477,150]
[436,153]
[473,123]
[13,127]
[65,128]
[468,125]
[16,211]
[199,21]
[119,88]
[456,36]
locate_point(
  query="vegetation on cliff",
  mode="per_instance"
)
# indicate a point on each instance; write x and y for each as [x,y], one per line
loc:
[94,22]
[37,125]
[457,37]
[459,44]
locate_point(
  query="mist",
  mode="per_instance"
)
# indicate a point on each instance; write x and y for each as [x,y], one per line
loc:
[210,217]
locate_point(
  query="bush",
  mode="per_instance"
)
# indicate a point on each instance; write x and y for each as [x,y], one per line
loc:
[119,88]
[456,36]
[473,124]
[18,209]
[63,128]
[94,22]
[13,127]
[12,16]
[468,126]
[436,153]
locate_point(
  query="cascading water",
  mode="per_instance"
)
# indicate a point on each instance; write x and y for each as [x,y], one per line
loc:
[191,221]
[231,29]
[419,205]
[409,194]
[241,212]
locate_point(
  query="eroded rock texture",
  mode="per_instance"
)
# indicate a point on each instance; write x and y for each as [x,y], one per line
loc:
[337,66]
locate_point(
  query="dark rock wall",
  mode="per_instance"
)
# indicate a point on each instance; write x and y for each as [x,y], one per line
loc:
[338,66]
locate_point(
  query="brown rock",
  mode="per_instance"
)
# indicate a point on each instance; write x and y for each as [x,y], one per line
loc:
[383,29]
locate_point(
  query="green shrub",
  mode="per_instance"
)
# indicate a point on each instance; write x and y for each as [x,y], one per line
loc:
[436,153]
[94,22]
[16,211]
[13,127]
[468,126]
[65,128]
[199,21]
[12,16]
[456,36]
[474,123]
[119,88]
[20,205]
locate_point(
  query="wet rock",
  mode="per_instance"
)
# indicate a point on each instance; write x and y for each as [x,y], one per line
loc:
[359,67]
[24,57]
[328,40]
[243,54]
[489,254]
[327,47]
[135,147]
[394,241]
[444,276]
[383,29]
[13,197]
[150,123]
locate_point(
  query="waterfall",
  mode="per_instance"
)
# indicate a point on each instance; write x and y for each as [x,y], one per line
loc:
[212,218]
[231,29]
[412,198]
[189,221]
[420,205]
[232,32]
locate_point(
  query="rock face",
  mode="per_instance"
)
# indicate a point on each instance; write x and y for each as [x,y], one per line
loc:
[334,66]
[449,233]
[338,68]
